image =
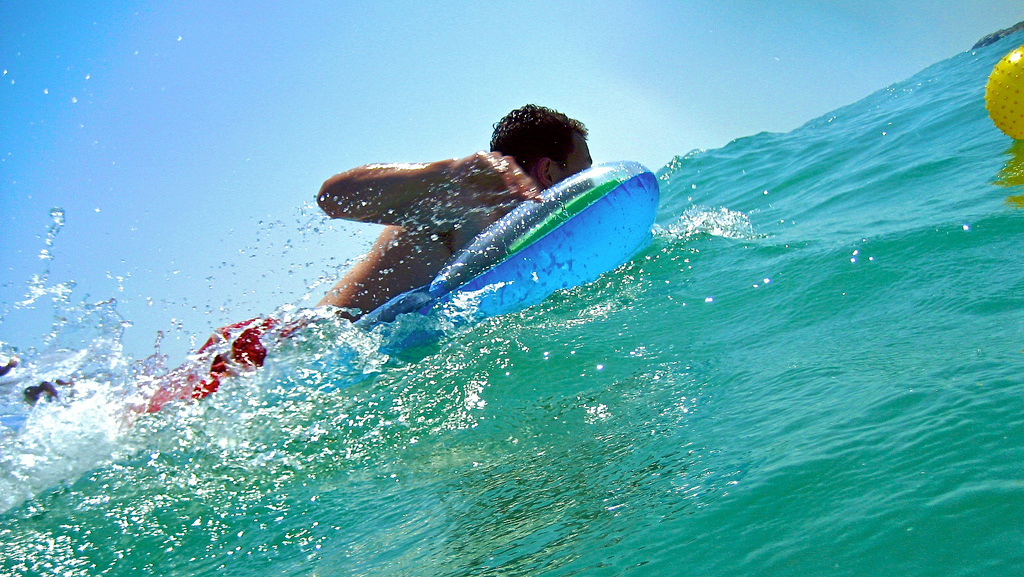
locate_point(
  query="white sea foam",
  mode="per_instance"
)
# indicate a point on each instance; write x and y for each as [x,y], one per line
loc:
[699,220]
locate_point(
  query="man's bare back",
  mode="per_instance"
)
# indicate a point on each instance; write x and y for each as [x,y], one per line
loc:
[433,210]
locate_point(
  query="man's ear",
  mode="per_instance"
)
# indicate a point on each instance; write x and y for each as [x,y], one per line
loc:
[544,172]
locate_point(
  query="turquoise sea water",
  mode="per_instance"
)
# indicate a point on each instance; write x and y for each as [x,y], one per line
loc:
[815,369]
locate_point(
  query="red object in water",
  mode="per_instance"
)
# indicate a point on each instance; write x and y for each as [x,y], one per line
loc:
[246,351]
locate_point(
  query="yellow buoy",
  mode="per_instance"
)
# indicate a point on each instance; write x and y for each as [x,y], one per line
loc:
[1004,94]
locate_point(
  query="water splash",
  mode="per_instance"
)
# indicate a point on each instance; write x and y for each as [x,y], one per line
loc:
[698,220]
[59,439]
[94,420]
[38,286]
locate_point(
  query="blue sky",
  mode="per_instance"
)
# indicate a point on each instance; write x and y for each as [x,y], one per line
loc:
[185,140]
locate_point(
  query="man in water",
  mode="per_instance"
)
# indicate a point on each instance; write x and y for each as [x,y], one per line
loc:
[433,210]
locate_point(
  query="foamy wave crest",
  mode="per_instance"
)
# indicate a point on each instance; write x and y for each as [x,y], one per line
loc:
[700,220]
[80,428]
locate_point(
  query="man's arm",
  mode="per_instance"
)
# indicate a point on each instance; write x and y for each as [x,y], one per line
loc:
[433,210]
[439,196]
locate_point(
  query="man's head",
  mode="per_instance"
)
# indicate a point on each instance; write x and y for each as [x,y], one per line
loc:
[547,144]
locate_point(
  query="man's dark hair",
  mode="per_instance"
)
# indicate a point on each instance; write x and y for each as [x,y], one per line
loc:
[533,132]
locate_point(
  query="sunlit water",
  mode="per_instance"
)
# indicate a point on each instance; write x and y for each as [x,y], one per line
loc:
[815,369]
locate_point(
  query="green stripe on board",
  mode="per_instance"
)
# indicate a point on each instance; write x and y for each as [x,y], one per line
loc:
[561,214]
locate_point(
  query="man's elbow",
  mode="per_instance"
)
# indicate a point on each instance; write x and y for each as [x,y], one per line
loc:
[327,199]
